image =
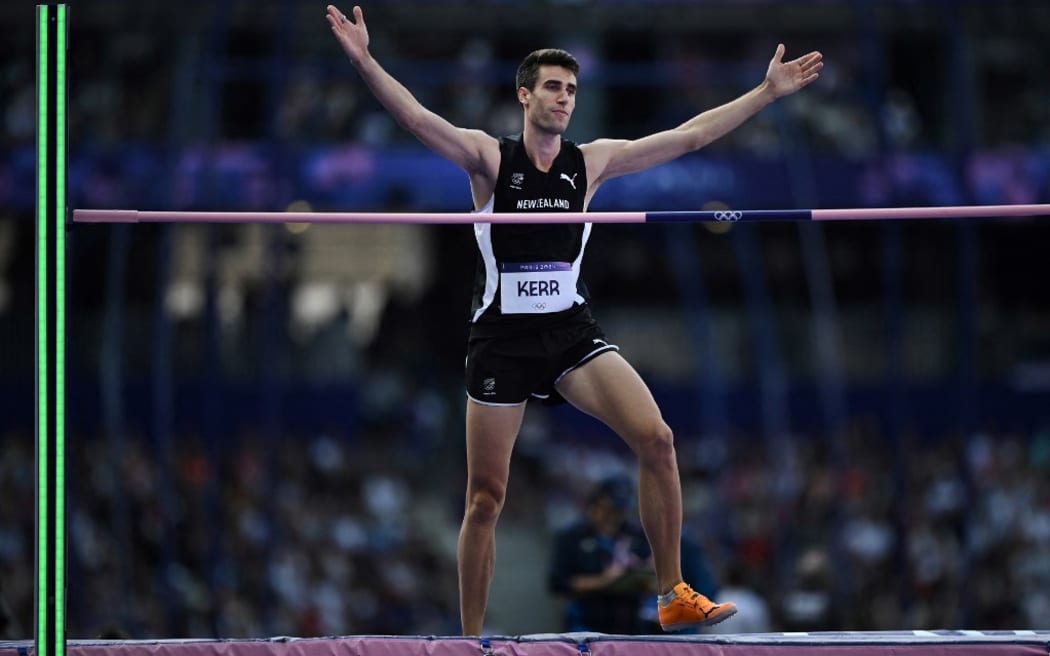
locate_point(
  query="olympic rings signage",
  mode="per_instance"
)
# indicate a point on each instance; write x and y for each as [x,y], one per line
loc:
[728,215]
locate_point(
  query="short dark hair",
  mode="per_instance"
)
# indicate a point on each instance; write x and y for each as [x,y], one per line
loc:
[529,69]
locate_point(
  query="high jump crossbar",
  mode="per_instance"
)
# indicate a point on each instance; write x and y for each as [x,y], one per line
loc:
[687,216]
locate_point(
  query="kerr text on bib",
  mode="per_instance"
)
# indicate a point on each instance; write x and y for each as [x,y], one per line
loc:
[536,287]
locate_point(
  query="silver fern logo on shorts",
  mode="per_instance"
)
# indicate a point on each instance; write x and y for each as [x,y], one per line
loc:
[489,385]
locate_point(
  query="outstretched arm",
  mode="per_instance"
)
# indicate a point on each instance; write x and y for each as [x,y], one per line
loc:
[609,158]
[471,150]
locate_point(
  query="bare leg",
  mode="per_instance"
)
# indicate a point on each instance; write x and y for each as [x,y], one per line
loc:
[491,432]
[609,389]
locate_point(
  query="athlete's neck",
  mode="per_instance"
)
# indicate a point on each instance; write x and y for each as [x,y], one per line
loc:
[541,147]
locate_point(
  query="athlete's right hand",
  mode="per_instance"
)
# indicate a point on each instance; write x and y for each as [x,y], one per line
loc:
[352,34]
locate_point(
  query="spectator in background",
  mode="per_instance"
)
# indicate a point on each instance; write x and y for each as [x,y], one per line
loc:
[602,564]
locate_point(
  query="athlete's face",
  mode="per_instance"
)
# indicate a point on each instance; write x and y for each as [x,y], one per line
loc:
[548,106]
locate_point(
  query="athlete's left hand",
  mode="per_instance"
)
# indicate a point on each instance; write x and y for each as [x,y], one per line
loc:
[784,78]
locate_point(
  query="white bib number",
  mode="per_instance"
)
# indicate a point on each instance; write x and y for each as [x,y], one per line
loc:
[536,287]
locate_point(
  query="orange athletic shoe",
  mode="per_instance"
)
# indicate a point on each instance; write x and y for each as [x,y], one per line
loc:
[690,608]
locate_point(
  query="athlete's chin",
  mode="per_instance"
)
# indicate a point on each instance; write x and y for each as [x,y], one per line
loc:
[556,128]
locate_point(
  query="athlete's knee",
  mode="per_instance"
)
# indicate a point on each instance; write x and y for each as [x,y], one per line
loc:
[655,445]
[484,503]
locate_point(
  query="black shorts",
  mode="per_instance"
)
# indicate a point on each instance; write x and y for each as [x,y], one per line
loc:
[512,369]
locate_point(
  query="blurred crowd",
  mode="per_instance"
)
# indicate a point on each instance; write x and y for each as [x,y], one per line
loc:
[948,534]
[320,535]
[311,538]
[217,75]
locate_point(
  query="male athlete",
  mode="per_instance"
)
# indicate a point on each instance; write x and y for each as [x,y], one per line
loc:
[532,334]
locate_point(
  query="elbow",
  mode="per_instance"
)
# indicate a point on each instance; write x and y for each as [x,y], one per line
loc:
[699,139]
[693,139]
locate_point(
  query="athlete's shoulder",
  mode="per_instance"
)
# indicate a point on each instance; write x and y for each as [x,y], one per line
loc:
[570,146]
[511,146]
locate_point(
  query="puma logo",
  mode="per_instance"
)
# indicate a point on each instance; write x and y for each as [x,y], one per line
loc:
[572,180]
